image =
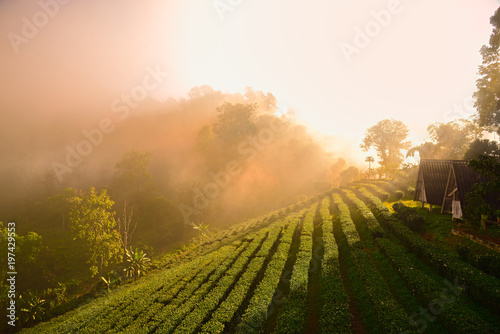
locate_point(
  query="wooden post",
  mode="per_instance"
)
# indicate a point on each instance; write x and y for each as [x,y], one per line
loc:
[430,207]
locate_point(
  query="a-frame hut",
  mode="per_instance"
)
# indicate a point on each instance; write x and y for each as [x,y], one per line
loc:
[432,180]
[461,178]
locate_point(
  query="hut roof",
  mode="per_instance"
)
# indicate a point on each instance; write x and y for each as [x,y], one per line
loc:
[465,178]
[432,179]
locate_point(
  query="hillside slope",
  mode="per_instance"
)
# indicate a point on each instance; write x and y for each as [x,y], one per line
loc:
[341,263]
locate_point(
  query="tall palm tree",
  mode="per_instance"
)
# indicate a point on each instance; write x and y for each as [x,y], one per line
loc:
[370,159]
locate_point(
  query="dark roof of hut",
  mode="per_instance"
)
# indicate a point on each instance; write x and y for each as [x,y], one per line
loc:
[465,178]
[434,174]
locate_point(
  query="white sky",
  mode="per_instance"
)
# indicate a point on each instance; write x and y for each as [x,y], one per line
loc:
[416,69]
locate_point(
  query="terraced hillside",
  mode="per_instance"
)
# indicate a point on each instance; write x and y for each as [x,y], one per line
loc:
[340,264]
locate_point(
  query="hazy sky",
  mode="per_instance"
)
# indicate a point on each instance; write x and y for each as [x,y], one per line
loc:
[415,65]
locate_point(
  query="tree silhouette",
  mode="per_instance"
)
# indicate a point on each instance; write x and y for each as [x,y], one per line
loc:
[487,95]
[388,138]
[370,160]
[235,122]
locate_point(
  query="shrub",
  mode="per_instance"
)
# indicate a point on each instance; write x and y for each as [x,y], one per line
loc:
[410,217]
[463,252]
[410,191]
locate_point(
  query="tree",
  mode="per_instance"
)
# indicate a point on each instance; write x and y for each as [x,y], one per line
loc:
[487,95]
[205,139]
[265,102]
[125,228]
[448,140]
[132,177]
[349,175]
[59,204]
[388,138]
[334,171]
[453,138]
[29,261]
[235,122]
[426,150]
[92,221]
[370,160]
[481,147]
[476,197]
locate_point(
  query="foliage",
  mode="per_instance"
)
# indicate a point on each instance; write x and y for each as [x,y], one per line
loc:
[335,316]
[92,221]
[205,139]
[235,122]
[409,216]
[234,285]
[112,280]
[137,263]
[489,262]
[349,175]
[132,179]
[389,314]
[32,307]
[482,147]
[202,228]
[457,317]
[292,318]
[487,95]
[256,312]
[449,140]
[477,196]
[480,286]
[388,138]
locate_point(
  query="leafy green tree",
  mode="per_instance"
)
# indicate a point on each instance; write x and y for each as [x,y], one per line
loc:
[482,147]
[388,137]
[487,95]
[235,122]
[92,221]
[28,252]
[476,197]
